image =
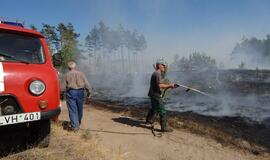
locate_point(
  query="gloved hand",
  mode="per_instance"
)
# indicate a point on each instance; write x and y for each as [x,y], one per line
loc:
[62,95]
[88,94]
[87,98]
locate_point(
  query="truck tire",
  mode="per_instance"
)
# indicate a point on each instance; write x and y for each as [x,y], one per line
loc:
[40,133]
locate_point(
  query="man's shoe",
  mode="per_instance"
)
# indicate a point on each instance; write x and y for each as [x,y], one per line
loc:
[167,130]
[71,129]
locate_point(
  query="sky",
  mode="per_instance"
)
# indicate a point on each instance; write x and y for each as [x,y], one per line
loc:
[170,26]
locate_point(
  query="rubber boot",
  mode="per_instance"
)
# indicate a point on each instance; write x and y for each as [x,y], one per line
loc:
[163,125]
[150,118]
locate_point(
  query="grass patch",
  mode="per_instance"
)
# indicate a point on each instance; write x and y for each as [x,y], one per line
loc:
[81,145]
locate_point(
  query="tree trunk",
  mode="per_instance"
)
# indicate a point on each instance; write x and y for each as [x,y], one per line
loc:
[129,63]
[122,58]
[136,61]
[95,60]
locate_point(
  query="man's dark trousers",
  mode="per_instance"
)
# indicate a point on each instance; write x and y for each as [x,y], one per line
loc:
[158,107]
[75,106]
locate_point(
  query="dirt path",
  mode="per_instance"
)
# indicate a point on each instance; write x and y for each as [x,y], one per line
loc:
[132,137]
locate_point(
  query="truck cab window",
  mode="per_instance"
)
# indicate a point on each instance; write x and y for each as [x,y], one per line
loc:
[16,47]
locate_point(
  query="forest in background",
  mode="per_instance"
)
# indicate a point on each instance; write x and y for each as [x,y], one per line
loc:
[105,48]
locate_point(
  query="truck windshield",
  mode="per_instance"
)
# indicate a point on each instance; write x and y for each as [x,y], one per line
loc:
[20,48]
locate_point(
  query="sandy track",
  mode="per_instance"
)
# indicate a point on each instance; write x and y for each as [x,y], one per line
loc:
[131,136]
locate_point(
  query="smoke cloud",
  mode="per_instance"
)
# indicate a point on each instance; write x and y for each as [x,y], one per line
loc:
[183,29]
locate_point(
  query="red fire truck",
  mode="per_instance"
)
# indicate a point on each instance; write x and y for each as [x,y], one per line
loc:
[29,86]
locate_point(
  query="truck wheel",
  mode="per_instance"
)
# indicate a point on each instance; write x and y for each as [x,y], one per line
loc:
[40,132]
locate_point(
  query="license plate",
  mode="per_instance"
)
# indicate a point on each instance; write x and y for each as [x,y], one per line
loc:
[19,118]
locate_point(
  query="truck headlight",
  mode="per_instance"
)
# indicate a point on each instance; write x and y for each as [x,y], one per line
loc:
[37,87]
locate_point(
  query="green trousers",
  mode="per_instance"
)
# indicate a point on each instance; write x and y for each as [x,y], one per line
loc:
[158,107]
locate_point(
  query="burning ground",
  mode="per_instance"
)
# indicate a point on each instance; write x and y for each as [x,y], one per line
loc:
[232,93]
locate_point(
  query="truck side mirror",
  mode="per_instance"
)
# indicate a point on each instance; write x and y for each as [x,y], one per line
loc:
[57,59]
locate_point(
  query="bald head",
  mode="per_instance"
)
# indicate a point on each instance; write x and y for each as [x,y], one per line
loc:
[71,65]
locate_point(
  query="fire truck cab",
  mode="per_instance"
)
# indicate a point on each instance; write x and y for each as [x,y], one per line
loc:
[29,86]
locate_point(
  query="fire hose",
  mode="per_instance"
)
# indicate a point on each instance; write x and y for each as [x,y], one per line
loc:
[187,89]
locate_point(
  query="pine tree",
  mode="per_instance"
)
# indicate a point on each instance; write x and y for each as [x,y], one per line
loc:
[93,44]
[62,39]
[50,35]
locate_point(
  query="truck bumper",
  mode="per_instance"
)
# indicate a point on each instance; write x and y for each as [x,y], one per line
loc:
[51,114]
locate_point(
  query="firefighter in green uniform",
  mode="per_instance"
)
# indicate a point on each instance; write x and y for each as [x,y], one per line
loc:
[157,85]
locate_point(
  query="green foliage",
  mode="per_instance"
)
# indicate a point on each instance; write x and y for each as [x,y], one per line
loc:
[50,35]
[252,50]
[195,61]
[93,40]
[102,41]
[33,27]
[63,39]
